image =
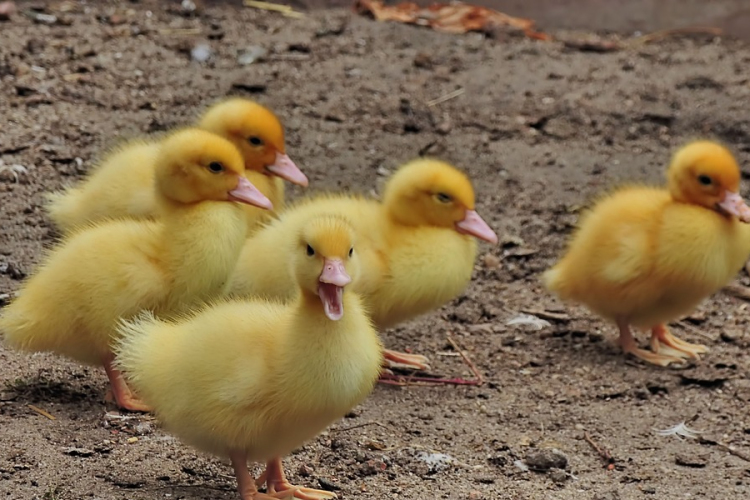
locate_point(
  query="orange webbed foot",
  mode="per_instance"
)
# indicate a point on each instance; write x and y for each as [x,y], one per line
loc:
[661,336]
[278,486]
[396,359]
[120,392]
[629,346]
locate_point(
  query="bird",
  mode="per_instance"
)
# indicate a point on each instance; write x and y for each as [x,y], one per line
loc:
[121,184]
[418,245]
[643,256]
[103,272]
[253,379]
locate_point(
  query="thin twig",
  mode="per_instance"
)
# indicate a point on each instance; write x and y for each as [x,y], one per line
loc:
[729,449]
[472,366]
[409,380]
[734,451]
[446,97]
[284,10]
[658,35]
[41,412]
[373,422]
[738,291]
[180,31]
[603,453]
[687,326]
[553,316]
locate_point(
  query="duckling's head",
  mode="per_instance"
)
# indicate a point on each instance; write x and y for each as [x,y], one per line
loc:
[705,173]
[257,132]
[433,193]
[326,261]
[194,166]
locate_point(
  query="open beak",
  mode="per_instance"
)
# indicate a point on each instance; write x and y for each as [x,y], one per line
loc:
[245,192]
[284,167]
[733,204]
[474,225]
[331,285]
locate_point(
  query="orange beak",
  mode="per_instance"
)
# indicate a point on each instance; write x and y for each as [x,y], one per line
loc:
[246,192]
[284,167]
[474,225]
[733,204]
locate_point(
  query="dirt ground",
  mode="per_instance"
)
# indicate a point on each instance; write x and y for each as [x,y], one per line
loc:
[540,127]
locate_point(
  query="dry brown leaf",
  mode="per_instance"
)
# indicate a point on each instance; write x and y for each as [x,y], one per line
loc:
[449,18]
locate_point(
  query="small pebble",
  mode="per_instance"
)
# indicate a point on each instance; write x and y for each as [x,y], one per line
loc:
[201,52]
[132,440]
[558,475]
[543,460]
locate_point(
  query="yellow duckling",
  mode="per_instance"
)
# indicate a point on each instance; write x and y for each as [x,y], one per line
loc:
[418,246]
[121,186]
[646,256]
[253,380]
[102,273]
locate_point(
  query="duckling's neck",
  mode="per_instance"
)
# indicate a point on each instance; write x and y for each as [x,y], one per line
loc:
[343,357]
[201,244]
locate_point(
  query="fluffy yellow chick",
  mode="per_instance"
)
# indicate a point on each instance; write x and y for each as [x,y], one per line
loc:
[113,270]
[253,380]
[121,185]
[646,256]
[418,246]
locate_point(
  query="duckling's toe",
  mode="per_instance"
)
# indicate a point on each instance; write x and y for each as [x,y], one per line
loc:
[396,359]
[661,336]
[629,346]
[277,485]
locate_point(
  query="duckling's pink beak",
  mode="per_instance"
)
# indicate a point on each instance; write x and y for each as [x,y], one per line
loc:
[331,285]
[474,225]
[285,168]
[246,192]
[733,204]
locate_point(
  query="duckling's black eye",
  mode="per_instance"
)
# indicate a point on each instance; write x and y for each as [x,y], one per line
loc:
[444,198]
[310,251]
[215,167]
[255,141]
[351,251]
[705,180]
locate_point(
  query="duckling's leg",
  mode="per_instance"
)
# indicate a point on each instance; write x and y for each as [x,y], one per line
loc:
[246,485]
[660,335]
[124,397]
[395,359]
[629,346]
[277,485]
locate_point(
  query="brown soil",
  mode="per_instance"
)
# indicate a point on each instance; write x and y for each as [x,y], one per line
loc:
[540,127]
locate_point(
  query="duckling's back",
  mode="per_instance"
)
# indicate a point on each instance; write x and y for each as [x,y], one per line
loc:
[639,254]
[97,276]
[122,185]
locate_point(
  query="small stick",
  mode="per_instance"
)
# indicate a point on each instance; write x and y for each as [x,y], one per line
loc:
[729,449]
[562,317]
[604,454]
[651,37]
[739,291]
[41,412]
[424,381]
[373,422]
[472,366]
[687,326]
[179,31]
[734,451]
[446,97]
[274,7]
